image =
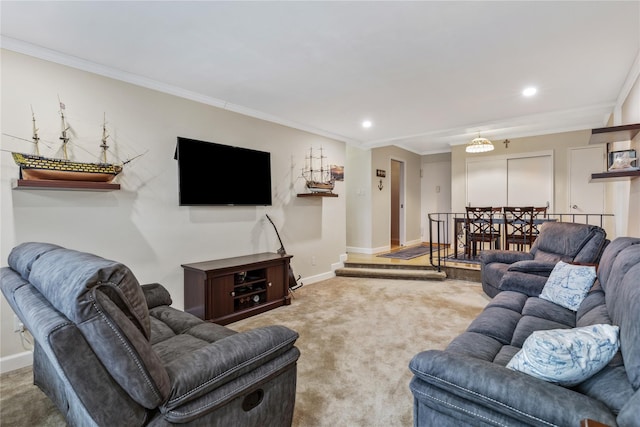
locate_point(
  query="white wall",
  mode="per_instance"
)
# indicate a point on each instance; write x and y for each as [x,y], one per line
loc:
[435,189]
[359,190]
[369,208]
[142,225]
[381,199]
[630,113]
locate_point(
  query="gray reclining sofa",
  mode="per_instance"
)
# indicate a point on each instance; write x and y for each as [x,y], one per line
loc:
[558,241]
[469,384]
[109,352]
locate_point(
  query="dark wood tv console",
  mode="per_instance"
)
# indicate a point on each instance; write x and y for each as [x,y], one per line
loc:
[225,290]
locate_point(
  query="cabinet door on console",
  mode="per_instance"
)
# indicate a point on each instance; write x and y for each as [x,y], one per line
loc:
[220,296]
[275,279]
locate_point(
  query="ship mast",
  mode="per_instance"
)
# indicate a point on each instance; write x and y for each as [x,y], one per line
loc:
[104,145]
[310,173]
[311,177]
[35,137]
[322,171]
[63,133]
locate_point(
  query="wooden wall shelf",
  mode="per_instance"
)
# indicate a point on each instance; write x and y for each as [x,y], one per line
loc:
[317,195]
[40,184]
[615,176]
[614,134]
[608,136]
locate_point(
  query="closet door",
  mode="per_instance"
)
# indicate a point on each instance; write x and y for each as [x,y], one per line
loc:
[487,182]
[530,181]
[515,180]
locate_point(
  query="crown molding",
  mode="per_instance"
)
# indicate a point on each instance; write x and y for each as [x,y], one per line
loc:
[439,141]
[105,71]
[632,77]
[516,127]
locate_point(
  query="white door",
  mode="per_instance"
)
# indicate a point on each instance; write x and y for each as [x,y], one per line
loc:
[511,181]
[530,181]
[586,197]
[487,182]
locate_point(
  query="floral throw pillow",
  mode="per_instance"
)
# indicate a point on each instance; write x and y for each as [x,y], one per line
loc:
[567,356]
[568,284]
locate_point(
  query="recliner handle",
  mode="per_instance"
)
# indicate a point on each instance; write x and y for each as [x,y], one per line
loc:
[252,400]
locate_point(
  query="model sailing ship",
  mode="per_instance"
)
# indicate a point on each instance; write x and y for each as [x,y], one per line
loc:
[37,167]
[318,179]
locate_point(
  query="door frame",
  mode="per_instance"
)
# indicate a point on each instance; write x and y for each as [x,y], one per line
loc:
[400,180]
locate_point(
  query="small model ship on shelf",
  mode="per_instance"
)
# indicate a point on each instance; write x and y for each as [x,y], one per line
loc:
[37,167]
[316,174]
[622,161]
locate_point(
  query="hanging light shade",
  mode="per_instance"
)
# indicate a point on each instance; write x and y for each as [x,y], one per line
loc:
[479,145]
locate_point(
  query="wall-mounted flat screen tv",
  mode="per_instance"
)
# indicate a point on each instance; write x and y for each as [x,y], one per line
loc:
[217,174]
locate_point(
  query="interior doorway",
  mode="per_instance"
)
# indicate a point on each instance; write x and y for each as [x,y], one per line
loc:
[397,204]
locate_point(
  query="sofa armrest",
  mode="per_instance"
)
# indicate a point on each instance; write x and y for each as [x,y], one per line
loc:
[156,295]
[503,256]
[525,283]
[205,369]
[482,384]
[540,268]
[527,277]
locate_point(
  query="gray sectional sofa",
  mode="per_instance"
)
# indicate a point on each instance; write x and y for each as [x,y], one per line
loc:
[109,352]
[468,383]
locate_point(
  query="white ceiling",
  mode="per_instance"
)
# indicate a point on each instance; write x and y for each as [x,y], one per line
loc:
[429,74]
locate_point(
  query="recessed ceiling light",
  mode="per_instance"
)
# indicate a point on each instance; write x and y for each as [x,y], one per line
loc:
[366,124]
[530,91]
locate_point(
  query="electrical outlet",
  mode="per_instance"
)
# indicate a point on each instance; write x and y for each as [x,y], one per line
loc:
[18,326]
[313,260]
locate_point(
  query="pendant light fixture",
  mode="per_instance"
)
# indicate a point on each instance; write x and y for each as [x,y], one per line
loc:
[479,145]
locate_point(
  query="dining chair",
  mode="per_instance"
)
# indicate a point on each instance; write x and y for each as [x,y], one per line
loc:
[481,228]
[539,214]
[518,226]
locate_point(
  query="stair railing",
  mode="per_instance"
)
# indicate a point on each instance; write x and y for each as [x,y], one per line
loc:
[447,233]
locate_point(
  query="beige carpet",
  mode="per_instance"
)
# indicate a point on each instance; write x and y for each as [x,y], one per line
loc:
[357,337]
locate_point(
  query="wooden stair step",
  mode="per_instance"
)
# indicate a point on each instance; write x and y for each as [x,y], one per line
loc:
[391,273]
[388,266]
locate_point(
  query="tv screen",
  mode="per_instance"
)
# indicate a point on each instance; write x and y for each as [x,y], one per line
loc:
[217,174]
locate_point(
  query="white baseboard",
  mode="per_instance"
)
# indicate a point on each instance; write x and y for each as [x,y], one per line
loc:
[15,361]
[356,250]
[368,251]
[318,278]
[381,249]
[327,275]
[339,264]
[413,242]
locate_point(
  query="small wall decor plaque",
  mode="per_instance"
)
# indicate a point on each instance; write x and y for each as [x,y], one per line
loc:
[381,173]
[337,173]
